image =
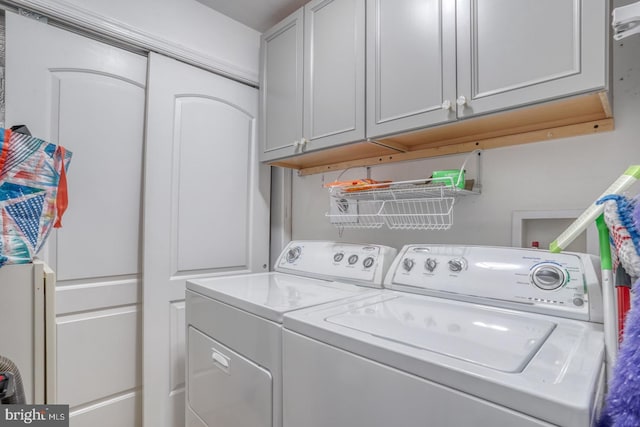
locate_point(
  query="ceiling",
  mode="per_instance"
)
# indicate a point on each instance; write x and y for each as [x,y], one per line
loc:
[257,14]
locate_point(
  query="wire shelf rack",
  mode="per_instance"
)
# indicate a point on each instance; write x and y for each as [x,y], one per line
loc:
[356,214]
[418,214]
[407,205]
[422,204]
[416,189]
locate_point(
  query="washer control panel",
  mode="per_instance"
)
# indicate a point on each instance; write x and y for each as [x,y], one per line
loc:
[531,280]
[362,264]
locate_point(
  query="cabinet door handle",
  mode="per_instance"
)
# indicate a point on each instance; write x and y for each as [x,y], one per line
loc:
[461,101]
[301,143]
[446,104]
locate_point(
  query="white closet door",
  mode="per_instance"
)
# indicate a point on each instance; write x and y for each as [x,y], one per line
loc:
[89,97]
[205,211]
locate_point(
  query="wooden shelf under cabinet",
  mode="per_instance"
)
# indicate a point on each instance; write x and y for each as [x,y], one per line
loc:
[580,115]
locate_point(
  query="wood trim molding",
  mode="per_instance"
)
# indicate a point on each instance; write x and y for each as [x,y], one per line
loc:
[110,28]
[603,125]
[390,144]
[606,105]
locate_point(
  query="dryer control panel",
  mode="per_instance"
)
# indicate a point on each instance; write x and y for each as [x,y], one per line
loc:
[565,284]
[349,262]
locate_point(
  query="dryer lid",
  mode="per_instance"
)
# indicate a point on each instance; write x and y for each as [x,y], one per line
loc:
[269,295]
[489,337]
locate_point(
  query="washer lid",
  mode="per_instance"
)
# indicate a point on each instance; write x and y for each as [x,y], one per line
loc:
[270,295]
[487,337]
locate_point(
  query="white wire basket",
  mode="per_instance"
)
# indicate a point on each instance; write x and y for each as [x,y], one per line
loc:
[407,205]
[423,204]
[419,214]
[345,213]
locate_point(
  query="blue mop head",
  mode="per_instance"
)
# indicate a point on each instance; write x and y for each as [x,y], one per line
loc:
[622,407]
[623,400]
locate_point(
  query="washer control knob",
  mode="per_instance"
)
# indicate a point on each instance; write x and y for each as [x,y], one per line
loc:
[548,277]
[338,257]
[293,254]
[431,264]
[353,259]
[456,265]
[578,302]
[368,262]
[407,264]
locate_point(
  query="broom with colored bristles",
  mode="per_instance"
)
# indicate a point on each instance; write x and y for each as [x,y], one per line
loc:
[622,406]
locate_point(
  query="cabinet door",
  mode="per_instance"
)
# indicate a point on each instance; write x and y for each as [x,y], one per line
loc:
[516,52]
[411,64]
[281,84]
[334,73]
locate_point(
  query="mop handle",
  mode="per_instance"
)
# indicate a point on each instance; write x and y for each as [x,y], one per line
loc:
[608,297]
[626,180]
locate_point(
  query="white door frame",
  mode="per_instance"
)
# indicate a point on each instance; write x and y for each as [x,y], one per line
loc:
[114,30]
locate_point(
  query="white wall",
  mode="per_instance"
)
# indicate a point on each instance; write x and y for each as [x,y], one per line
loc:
[553,175]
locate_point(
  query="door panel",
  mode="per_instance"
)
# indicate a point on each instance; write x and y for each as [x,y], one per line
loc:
[95,351]
[206,210]
[514,52]
[89,97]
[107,154]
[201,167]
[410,26]
[281,87]
[117,413]
[334,72]
[527,55]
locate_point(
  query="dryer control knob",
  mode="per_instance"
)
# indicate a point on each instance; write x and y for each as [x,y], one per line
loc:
[431,264]
[456,265]
[293,254]
[368,262]
[548,277]
[407,264]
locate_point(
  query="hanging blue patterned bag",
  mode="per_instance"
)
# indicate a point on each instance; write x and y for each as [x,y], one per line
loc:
[33,194]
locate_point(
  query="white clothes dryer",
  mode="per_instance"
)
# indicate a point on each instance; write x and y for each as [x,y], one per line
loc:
[234,332]
[465,336]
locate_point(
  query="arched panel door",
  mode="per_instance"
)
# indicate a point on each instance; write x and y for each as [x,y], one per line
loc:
[89,97]
[206,211]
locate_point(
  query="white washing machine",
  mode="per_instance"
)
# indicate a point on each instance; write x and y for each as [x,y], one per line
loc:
[465,336]
[234,332]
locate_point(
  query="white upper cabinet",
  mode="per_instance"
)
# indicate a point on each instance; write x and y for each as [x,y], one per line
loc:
[429,63]
[518,52]
[313,79]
